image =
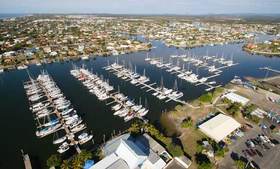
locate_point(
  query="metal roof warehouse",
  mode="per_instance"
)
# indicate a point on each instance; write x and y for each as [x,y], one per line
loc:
[219,127]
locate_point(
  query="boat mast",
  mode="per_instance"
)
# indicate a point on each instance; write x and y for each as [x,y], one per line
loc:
[123,62]
[146,103]
[161,83]
[175,85]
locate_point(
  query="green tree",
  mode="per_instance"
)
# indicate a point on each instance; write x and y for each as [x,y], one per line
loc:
[203,161]
[254,118]
[79,160]
[99,153]
[240,164]
[135,129]
[234,108]
[65,164]
[54,160]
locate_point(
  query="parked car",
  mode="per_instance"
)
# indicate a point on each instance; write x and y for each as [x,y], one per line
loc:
[259,153]
[249,152]
[253,151]
[249,143]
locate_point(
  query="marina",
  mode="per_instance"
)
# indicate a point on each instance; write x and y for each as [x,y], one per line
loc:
[207,62]
[98,117]
[123,106]
[136,79]
[53,113]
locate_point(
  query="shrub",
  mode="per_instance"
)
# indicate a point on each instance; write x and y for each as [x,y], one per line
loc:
[54,160]
[135,129]
[205,165]
[240,164]
[175,150]
[203,161]
[79,160]
[254,118]
[234,108]
[186,123]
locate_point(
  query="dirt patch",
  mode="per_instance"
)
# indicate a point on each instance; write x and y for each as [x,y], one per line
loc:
[257,97]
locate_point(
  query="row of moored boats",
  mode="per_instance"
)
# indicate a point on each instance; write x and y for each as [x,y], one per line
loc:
[135,78]
[124,107]
[54,113]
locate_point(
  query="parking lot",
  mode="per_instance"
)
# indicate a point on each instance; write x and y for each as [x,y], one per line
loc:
[262,151]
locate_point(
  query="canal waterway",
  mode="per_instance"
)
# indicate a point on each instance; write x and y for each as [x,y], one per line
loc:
[17,125]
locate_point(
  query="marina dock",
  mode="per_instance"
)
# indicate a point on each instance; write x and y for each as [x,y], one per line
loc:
[124,107]
[119,71]
[26,160]
[57,105]
[181,73]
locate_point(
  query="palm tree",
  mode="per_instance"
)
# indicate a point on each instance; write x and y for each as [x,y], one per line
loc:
[79,160]
[54,160]
[65,164]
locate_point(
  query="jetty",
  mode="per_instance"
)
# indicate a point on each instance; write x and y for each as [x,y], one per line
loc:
[46,101]
[124,107]
[186,75]
[160,92]
[26,160]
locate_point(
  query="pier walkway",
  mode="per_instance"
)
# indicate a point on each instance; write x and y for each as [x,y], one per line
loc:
[178,71]
[271,70]
[69,134]
[26,160]
[145,85]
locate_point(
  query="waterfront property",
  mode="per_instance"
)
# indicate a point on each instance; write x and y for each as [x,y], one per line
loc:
[219,127]
[101,118]
[127,152]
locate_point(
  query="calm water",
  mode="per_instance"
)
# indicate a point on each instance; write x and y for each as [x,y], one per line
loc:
[5,16]
[17,126]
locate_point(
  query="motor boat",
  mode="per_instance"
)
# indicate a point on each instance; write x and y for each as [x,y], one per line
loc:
[64,147]
[60,140]
[84,137]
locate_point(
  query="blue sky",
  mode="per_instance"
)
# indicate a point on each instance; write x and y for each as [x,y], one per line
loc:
[141,6]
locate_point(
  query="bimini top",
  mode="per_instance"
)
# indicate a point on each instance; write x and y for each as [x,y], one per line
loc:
[219,127]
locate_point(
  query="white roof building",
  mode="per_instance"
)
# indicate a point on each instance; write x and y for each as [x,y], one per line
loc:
[259,112]
[219,127]
[128,155]
[236,98]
